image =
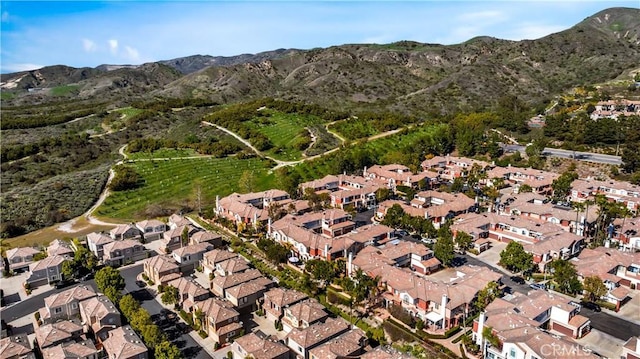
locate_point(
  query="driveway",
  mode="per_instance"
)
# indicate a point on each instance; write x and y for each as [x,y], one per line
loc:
[492,255]
[601,343]
[631,309]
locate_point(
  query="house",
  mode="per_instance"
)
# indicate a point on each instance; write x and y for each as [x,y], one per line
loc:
[244,296]
[20,258]
[96,242]
[173,238]
[161,269]
[59,248]
[620,271]
[189,292]
[303,314]
[65,304]
[327,183]
[212,258]
[538,309]
[349,344]
[631,349]
[125,231]
[72,350]
[252,346]
[219,285]
[101,315]
[124,343]
[301,341]
[451,167]
[231,266]
[123,252]
[561,245]
[213,239]
[399,254]
[52,334]
[250,208]
[46,271]
[176,220]
[276,299]
[190,256]
[151,229]
[369,235]
[627,233]
[399,175]
[16,347]
[384,352]
[220,321]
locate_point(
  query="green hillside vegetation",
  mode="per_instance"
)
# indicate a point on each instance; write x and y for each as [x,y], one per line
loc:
[64,90]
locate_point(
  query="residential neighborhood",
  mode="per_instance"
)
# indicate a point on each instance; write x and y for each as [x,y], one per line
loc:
[506,266]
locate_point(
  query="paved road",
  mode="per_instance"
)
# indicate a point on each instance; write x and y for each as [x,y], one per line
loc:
[602,321]
[581,156]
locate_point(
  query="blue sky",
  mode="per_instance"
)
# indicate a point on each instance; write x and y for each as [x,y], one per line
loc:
[90,33]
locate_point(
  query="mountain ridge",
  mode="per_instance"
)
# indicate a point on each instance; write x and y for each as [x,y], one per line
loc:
[405,76]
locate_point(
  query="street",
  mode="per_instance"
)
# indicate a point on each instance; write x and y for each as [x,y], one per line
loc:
[581,156]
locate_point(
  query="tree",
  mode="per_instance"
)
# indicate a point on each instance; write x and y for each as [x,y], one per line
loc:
[566,276]
[562,185]
[68,269]
[464,241]
[109,278]
[486,296]
[184,237]
[321,270]
[594,288]
[83,258]
[166,350]
[128,305]
[170,295]
[382,194]
[443,249]
[515,259]
[247,181]
[525,188]
[125,178]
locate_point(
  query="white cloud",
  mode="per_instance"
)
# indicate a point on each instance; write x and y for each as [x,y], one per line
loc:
[20,67]
[113,46]
[131,54]
[89,46]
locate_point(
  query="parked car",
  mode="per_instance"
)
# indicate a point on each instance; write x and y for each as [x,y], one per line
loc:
[64,283]
[537,286]
[140,284]
[87,277]
[592,306]
[517,279]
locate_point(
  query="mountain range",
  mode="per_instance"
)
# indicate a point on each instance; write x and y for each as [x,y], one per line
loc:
[404,76]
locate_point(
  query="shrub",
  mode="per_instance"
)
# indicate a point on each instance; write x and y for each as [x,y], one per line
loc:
[229,354]
[145,276]
[397,333]
[186,317]
[202,334]
[399,313]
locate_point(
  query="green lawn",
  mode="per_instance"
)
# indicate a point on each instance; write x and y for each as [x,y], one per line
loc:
[164,153]
[172,184]
[64,90]
[283,130]
[7,95]
[128,111]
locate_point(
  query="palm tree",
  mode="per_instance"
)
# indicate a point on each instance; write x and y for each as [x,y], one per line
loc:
[578,207]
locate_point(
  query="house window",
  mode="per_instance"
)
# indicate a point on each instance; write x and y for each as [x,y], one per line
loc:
[300,350]
[244,300]
[231,333]
[74,305]
[57,310]
[512,353]
[111,320]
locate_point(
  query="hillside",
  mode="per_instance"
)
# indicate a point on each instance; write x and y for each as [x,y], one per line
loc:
[409,76]
[404,76]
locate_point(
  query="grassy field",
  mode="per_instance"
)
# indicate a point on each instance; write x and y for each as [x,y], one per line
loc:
[173,183]
[128,111]
[64,90]
[283,130]
[44,236]
[164,153]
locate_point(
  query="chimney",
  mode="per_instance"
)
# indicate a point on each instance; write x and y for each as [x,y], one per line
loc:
[350,264]
[443,308]
[269,227]
[326,251]
[481,320]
